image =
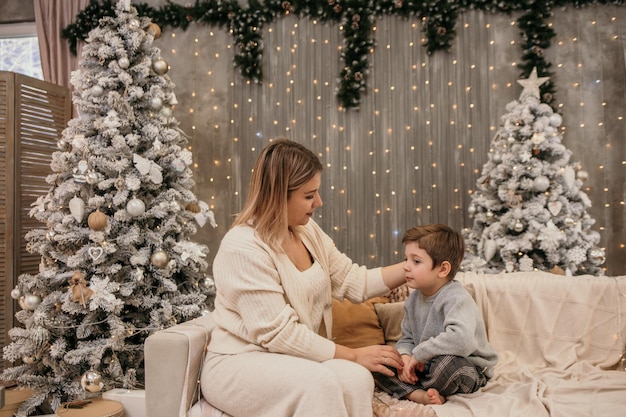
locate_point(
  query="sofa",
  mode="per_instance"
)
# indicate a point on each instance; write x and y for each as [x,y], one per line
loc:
[561,343]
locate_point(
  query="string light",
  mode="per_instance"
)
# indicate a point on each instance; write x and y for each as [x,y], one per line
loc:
[306,109]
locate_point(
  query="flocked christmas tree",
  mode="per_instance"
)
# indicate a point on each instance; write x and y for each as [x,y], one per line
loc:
[529,211]
[117,259]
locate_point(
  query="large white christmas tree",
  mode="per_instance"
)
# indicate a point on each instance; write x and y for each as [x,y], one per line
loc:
[117,262]
[529,211]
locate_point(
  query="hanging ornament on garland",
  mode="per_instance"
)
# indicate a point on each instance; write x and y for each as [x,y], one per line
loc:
[77,208]
[193,207]
[97,91]
[123,62]
[97,220]
[154,30]
[178,165]
[80,172]
[91,381]
[135,207]
[29,302]
[159,258]
[160,66]
[80,292]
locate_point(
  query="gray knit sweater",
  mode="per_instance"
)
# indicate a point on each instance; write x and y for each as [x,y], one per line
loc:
[447,323]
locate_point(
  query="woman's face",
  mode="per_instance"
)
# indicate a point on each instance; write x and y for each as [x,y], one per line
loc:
[303,201]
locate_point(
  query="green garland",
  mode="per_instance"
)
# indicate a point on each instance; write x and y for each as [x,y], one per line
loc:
[356,19]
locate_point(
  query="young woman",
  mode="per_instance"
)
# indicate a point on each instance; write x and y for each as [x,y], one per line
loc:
[276,273]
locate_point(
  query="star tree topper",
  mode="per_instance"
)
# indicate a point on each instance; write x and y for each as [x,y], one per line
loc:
[532,83]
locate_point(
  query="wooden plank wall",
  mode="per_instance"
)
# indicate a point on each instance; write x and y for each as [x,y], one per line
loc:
[33,114]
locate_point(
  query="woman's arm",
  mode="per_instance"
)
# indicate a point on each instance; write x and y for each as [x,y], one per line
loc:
[393,275]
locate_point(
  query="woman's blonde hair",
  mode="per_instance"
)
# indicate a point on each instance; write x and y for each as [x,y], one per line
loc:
[282,167]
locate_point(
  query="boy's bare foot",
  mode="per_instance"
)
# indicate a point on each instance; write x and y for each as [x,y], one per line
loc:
[431,396]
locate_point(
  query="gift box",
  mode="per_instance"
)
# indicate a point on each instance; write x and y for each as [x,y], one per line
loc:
[133,400]
[13,398]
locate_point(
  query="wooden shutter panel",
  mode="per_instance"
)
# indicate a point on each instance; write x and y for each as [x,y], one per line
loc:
[33,114]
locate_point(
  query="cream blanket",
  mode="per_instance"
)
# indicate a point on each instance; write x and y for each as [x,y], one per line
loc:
[560,341]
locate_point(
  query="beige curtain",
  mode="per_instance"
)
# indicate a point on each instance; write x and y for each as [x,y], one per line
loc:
[51,16]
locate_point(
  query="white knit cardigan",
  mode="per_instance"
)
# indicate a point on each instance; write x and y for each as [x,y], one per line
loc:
[264,303]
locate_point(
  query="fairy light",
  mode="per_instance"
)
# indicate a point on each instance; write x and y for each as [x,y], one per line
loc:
[306,108]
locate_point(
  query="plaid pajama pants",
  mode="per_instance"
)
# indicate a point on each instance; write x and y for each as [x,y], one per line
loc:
[448,374]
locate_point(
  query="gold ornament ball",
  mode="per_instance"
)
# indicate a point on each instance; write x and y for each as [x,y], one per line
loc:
[193,207]
[97,220]
[154,30]
[159,258]
[160,66]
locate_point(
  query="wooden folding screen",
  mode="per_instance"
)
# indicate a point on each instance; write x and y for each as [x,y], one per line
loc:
[33,114]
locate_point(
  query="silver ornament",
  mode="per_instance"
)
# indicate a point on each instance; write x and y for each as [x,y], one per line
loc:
[159,258]
[582,175]
[62,144]
[596,256]
[135,207]
[123,62]
[134,24]
[519,226]
[207,283]
[97,91]
[160,66]
[91,381]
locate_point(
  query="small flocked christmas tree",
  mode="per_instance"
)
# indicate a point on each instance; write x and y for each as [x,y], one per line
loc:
[117,262]
[529,211]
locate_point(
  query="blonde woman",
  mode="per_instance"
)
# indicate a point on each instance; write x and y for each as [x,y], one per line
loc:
[276,273]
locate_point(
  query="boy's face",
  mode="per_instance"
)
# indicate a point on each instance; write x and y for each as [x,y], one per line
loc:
[420,273]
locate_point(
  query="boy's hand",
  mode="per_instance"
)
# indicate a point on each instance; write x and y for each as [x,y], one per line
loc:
[408,371]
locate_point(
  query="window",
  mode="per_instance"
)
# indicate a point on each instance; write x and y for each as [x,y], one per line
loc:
[19,49]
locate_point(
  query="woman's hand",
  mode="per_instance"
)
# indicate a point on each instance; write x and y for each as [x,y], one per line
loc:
[375,358]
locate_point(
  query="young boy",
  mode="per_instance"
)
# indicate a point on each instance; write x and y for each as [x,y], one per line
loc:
[444,343]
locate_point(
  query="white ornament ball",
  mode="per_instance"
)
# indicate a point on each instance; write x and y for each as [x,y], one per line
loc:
[582,175]
[178,165]
[31,302]
[166,111]
[518,227]
[160,66]
[97,91]
[541,183]
[556,120]
[156,103]
[134,24]
[123,62]
[15,293]
[135,207]
[91,381]
[159,258]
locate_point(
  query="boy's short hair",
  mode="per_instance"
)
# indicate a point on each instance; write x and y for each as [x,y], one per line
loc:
[440,242]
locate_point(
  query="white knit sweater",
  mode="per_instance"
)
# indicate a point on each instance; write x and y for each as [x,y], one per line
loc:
[263,302]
